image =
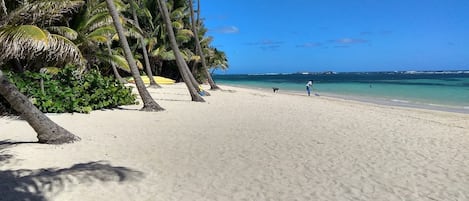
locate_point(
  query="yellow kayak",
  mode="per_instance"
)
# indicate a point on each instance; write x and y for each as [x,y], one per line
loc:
[158,79]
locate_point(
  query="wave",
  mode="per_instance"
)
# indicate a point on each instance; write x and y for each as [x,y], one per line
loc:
[400,101]
[436,72]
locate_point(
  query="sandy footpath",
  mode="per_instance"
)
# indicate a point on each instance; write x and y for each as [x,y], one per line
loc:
[242,144]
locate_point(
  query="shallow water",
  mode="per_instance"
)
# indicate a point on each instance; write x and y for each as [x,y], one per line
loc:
[427,90]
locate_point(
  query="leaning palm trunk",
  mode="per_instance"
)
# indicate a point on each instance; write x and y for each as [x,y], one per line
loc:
[198,47]
[47,131]
[144,50]
[148,103]
[182,65]
[4,8]
[113,66]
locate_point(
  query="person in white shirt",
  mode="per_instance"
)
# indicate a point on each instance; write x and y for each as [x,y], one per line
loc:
[309,86]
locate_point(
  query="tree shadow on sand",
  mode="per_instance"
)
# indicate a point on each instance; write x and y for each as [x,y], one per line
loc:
[33,185]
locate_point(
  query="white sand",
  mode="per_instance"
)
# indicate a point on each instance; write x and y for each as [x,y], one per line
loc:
[243,145]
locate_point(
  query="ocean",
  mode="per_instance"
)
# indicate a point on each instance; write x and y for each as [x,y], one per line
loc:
[440,90]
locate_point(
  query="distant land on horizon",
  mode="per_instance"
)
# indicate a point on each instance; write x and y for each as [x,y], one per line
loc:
[458,71]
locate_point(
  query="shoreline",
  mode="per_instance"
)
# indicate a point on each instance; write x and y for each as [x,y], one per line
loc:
[372,100]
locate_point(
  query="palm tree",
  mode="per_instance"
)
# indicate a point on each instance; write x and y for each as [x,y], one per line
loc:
[47,131]
[182,65]
[160,51]
[143,47]
[4,7]
[217,59]
[198,47]
[94,29]
[148,103]
[29,42]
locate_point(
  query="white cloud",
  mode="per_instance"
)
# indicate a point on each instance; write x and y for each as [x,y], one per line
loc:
[226,30]
[349,41]
[310,44]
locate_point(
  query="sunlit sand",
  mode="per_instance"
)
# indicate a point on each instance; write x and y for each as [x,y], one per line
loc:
[243,144]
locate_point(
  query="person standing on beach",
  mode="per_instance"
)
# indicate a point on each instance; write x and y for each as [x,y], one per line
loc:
[309,86]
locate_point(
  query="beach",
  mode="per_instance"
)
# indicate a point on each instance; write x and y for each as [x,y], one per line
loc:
[242,144]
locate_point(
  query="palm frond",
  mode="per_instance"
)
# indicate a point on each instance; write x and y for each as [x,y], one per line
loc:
[118,60]
[184,35]
[29,42]
[22,42]
[177,14]
[187,54]
[96,21]
[101,34]
[102,7]
[167,55]
[147,14]
[67,32]
[150,42]
[131,28]
[130,31]
[178,25]
[60,48]
[43,11]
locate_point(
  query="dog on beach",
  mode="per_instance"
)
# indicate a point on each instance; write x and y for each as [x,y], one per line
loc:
[275,89]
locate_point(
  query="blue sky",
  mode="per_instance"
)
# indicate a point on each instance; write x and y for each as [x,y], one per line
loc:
[261,36]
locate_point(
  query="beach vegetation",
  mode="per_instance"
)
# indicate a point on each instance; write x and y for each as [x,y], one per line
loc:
[69,91]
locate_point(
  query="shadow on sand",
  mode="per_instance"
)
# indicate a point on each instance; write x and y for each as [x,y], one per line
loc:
[33,185]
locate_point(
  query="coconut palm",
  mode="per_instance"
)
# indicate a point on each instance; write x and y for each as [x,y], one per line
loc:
[182,65]
[194,26]
[217,59]
[95,29]
[182,35]
[143,47]
[29,42]
[148,103]
[158,45]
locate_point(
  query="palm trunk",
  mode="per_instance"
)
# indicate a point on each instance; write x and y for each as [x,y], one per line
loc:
[148,103]
[182,65]
[4,8]
[194,68]
[144,50]
[47,131]
[114,69]
[213,86]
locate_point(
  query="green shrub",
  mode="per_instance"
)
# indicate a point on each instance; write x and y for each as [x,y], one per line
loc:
[68,91]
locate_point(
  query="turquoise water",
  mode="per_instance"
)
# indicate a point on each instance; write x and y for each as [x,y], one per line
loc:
[437,89]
